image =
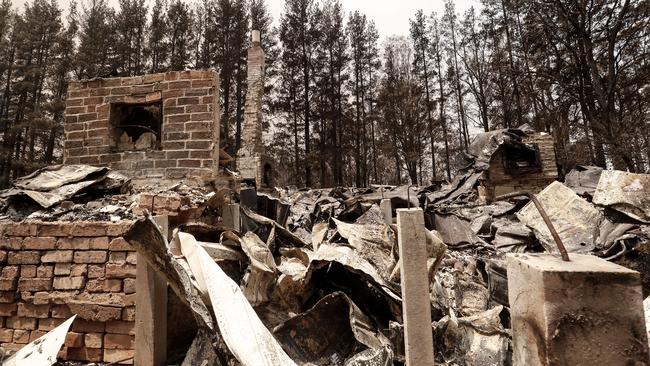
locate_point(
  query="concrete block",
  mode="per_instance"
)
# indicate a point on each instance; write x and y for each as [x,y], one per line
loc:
[584,312]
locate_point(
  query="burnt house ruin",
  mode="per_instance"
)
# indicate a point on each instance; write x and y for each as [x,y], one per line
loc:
[161,126]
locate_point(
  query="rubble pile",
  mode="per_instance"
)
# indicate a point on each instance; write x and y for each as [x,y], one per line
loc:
[312,277]
[88,193]
[325,279]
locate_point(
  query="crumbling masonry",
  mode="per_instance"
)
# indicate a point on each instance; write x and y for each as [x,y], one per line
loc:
[161,126]
[253,166]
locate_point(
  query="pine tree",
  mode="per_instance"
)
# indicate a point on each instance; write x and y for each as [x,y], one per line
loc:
[157,43]
[179,21]
[299,34]
[130,22]
[423,67]
[96,56]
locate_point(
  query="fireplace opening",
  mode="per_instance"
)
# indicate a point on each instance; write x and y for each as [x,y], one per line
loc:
[522,159]
[136,126]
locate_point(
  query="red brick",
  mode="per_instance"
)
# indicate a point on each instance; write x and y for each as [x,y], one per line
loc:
[8,309]
[118,341]
[120,327]
[153,78]
[198,92]
[84,326]
[24,257]
[128,313]
[180,85]
[131,258]
[55,229]
[85,354]
[93,256]
[6,335]
[7,297]
[87,116]
[49,324]
[69,283]
[73,243]
[34,284]
[21,229]
[95,312]
[95,271]
[61,312]
[33,311]
[113,285]
[21,336]
[119,244]
[198,108]
[201,154]
[199,145]
[115,355]
[117,257]
[21,323]
[44,271]
[189,163]
[133,80]
[28,271]
[181,117]
[62,269]
[39,243]
[180,154]
[8,284]
[89,160]
[11,243]
[187,100]
[100,92]
[95,285]
[120,271]
[36,334]
[94,340]
[206,116]
[87,228]
[10,272]
[78,270]
[165,163]
[74,339]
[57,256]
[41,298]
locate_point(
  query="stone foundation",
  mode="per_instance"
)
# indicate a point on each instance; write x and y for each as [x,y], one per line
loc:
[50,271]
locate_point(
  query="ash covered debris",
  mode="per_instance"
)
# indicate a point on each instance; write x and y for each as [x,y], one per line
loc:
[312,277]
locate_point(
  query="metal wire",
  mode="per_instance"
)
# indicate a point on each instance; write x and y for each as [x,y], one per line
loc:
[547,220]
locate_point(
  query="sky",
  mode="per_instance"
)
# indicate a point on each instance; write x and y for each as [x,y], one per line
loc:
[390,16]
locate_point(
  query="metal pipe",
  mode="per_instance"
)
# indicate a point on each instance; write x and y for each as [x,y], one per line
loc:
[547,220]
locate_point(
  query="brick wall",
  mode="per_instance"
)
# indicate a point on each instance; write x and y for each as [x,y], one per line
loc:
[50,271]
[501,183]
[189,138]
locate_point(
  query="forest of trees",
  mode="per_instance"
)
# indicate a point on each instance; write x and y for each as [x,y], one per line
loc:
[344,106]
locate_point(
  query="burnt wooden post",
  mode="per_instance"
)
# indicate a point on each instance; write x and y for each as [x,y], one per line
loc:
[416,306]
[151,310]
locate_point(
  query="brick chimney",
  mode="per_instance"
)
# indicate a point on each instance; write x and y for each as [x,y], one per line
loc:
[251,164]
